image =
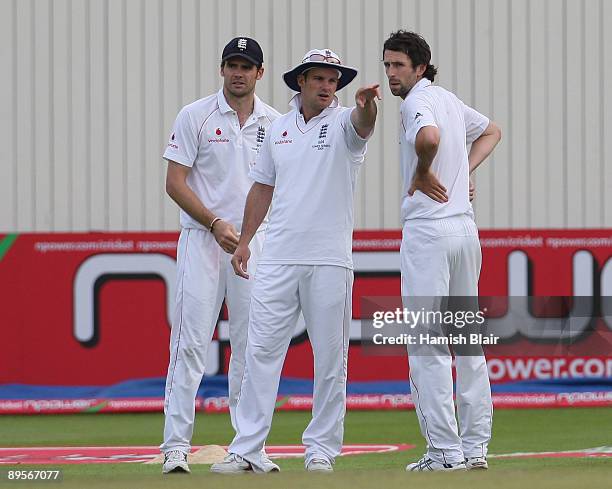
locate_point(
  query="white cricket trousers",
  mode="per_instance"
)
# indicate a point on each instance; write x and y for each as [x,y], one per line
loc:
[204,278]
[442,257]
[323,294]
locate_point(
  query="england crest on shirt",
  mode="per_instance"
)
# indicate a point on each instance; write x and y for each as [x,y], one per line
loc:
[322,141]
[259,138]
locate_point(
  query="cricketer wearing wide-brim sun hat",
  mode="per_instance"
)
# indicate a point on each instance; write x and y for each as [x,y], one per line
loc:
[320,58]
[307,166]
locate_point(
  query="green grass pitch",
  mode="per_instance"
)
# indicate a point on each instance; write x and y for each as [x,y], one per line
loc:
[513,431]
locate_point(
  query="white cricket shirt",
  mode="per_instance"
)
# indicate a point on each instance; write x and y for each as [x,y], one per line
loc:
[313,167]
[208,138]
[459,125]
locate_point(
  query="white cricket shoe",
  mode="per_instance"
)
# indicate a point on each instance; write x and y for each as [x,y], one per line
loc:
[232,464]
[267,464]
[235,464]
[265,459]
[319,465]
[264,455]
[427,464]
[175,461]
[476,463]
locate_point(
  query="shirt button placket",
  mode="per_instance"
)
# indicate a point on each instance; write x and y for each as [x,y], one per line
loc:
[238,131]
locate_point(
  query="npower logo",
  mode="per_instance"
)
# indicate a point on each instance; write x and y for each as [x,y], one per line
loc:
[102,268]
[586,282]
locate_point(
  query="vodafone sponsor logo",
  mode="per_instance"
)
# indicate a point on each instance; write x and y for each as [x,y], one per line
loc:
[284,139]
[218,138]
[171,143]
[543,368]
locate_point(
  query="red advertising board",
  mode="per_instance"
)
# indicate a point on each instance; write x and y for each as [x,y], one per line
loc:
[93,309]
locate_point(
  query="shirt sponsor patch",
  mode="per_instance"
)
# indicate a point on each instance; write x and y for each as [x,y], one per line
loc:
[218,139]
[172,144]
[284,139]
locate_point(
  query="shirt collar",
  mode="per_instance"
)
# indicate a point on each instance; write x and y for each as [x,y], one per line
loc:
[421,84]
[296,104]
[258,108]
[224,107]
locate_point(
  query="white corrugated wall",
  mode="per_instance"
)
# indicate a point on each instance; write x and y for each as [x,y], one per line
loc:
[90,89]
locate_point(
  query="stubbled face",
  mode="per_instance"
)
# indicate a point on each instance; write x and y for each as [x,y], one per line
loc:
[240,76]
[401,74]
[318,88]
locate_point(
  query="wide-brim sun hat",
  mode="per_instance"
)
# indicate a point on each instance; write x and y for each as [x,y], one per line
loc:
[320,58]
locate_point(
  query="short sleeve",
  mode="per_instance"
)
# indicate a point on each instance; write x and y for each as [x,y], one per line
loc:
[475,123]
[263,170]
[356,145]
[183,143]
[417,113]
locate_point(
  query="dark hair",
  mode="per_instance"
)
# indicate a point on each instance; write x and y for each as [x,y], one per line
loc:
[244,59]
[415,47]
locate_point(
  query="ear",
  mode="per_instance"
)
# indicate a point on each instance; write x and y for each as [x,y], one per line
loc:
[260,73]
[420,70]
[221,71]
[301,80]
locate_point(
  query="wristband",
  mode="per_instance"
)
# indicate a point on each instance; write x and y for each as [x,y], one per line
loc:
[210,228]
